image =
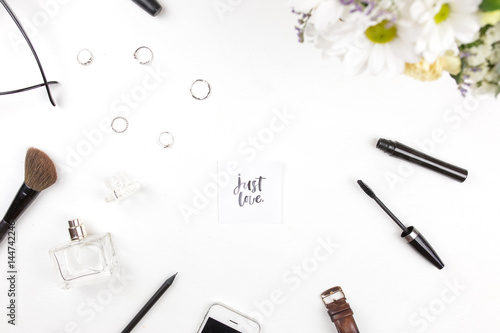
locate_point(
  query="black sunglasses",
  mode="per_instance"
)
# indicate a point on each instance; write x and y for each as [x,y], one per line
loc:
[45,83]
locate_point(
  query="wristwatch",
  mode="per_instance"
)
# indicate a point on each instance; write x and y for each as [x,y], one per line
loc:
[339,310]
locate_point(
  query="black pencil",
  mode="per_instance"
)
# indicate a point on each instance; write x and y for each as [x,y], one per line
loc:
[149,304]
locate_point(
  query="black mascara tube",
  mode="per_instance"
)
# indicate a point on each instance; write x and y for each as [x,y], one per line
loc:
[399,150]
[152,7]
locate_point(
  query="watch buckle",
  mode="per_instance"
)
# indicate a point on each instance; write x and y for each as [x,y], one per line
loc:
[332,295]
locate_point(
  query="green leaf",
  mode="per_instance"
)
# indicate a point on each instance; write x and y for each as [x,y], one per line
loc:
[498,91]
[483,30]
[490,5]
[470,45]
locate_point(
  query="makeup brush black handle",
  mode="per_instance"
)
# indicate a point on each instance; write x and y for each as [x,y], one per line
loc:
[4,230]
[21,202]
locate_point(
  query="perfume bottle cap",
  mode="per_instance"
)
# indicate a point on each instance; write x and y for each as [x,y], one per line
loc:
[120,186]
[76,230]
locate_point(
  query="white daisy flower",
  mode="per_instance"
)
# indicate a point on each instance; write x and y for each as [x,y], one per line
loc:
[325,14]
[318,20]
[364,38]
[443,23]
[378,46]
[304,6]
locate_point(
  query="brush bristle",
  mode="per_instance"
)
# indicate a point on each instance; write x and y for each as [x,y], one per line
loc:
[39,170]
[365,188]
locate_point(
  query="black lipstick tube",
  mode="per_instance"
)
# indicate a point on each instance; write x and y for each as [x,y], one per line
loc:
[399,150]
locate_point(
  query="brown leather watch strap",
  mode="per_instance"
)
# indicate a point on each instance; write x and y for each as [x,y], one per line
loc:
[339,310]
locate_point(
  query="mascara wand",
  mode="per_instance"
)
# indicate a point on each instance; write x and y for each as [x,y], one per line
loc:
[410,234]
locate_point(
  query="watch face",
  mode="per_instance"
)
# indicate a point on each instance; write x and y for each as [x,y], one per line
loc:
[214,326]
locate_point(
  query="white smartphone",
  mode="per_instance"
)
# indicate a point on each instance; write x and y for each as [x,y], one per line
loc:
[223,319]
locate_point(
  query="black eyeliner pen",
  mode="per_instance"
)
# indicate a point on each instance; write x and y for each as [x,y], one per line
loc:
[149,304]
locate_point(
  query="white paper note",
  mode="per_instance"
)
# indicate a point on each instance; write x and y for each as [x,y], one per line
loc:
[252,193]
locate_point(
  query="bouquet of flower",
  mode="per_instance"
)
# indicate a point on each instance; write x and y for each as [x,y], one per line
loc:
[421,38]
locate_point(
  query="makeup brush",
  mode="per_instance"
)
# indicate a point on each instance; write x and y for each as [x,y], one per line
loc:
[39,174]
[410,234]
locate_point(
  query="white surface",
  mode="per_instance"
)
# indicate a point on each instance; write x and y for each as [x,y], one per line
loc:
[254,64]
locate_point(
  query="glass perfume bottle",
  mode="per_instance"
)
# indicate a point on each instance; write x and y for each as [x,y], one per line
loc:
[85,260]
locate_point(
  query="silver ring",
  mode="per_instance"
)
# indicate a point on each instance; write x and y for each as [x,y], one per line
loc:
[86,60]
[198,97]
[117,130]
[143,61]
[170,141]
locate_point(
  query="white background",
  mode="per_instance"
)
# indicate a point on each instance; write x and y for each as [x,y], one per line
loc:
[251,57]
